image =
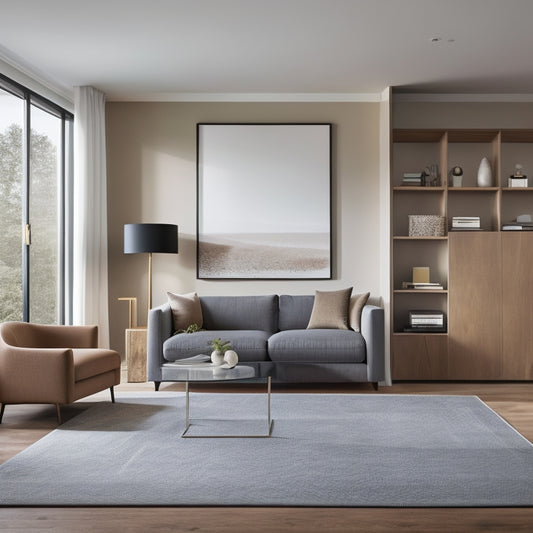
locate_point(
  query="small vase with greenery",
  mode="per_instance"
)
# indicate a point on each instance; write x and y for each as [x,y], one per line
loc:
[220,347]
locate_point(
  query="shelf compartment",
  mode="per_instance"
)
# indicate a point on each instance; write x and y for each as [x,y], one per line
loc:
[476,201]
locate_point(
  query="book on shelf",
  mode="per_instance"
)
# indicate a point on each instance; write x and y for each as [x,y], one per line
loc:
[410,175]
[420,286]
[426,322]
[432,329]
[426,313]
[466,222]
[517,226]
[426,319]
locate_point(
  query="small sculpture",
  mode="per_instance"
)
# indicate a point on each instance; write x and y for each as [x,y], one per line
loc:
[231,358]
[457,176]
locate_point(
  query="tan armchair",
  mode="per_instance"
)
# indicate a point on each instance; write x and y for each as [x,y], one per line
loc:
[53,364]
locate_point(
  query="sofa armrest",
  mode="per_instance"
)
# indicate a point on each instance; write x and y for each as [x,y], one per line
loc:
[373,331]
[159,330]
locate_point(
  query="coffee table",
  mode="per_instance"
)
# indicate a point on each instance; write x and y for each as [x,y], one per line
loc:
[209,373]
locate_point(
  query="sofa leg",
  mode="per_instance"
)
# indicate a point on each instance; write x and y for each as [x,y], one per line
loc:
[375,385]
[2,411]
[156,385]
[58,410]
[112,391]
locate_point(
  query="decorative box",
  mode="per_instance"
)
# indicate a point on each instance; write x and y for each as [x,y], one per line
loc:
[426,225]
[517,182]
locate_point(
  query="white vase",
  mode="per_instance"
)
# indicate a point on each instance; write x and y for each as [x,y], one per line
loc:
[217,358]
[484,174]
[231,358]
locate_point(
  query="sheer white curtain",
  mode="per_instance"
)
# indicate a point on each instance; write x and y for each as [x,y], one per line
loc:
[90,305]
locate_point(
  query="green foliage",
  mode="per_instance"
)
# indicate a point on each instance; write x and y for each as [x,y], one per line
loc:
[220,346]
[193,328]
[43,217]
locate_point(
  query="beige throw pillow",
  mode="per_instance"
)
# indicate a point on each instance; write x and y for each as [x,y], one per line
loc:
[357,302]
[186,310]
[330,310]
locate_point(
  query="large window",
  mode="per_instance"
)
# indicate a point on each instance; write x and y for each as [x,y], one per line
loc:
[35,185]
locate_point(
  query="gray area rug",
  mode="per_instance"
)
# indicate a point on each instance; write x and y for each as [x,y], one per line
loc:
[325,450]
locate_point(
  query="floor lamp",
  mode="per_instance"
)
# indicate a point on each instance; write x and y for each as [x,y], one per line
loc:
[150,238]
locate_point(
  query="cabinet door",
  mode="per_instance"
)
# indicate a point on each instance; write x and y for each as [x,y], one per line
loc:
[475,306]
[418,356]
[517,261]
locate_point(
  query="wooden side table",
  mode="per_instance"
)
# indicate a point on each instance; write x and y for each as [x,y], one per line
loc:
[136,343]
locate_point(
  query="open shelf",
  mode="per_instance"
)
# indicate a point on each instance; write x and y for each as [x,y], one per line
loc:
[437,355]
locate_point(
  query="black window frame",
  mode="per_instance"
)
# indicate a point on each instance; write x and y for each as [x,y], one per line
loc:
[30,98]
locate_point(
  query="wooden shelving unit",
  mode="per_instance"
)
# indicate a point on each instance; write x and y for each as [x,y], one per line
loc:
[473,266]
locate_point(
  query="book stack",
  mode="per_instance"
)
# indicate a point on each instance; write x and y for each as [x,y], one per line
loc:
[413,179]
[466,223]
[418,285]
[520,226]
[426,321]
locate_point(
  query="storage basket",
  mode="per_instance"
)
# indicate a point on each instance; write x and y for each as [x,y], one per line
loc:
[426,225]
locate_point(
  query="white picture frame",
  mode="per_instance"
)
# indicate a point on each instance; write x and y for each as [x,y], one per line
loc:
[264,201]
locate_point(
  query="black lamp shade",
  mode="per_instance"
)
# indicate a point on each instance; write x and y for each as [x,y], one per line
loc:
[150,238]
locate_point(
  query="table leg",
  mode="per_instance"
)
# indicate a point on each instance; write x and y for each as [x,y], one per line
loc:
[187,420]
[269,421]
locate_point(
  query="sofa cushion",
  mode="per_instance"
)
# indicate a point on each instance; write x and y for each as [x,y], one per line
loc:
[330,310]
[317,346]
[295,311]
[250,345]
[357,302]
[186,310]
[240,312]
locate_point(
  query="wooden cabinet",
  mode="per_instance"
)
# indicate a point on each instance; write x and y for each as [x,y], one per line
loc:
[136,348]
[487,292]
[474,324]
[517,307]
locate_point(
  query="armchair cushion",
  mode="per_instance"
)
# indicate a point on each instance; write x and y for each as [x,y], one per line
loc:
[89,362]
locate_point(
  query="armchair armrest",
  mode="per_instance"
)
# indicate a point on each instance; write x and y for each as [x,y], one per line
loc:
[159,330]
[373,331]
[36,375]
[31,335]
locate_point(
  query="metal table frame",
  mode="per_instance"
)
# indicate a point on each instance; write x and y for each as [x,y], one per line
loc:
[189,421]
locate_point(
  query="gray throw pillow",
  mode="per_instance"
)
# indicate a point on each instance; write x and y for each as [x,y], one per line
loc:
[357,302]
[186,310]
[330,310]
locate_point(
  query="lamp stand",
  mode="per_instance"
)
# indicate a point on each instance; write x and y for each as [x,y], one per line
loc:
[149,281]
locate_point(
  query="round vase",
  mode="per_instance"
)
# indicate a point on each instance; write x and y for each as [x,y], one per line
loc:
[217,358]
[484,174]
[231,358]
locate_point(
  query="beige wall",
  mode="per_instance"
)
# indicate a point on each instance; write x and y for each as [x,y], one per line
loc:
[152,178]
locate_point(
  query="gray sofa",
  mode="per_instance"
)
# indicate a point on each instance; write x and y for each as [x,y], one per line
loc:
[270,333]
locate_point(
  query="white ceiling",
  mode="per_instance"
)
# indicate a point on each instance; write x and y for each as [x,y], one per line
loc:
[140,49]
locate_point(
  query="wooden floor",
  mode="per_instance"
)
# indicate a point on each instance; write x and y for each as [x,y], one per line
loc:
[25,424]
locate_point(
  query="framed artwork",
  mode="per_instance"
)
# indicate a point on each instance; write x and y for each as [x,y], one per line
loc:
[264,201]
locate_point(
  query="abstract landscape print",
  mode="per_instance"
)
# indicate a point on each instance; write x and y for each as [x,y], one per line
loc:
[264,201]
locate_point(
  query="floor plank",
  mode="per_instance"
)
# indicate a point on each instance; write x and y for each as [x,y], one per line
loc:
[25,424]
